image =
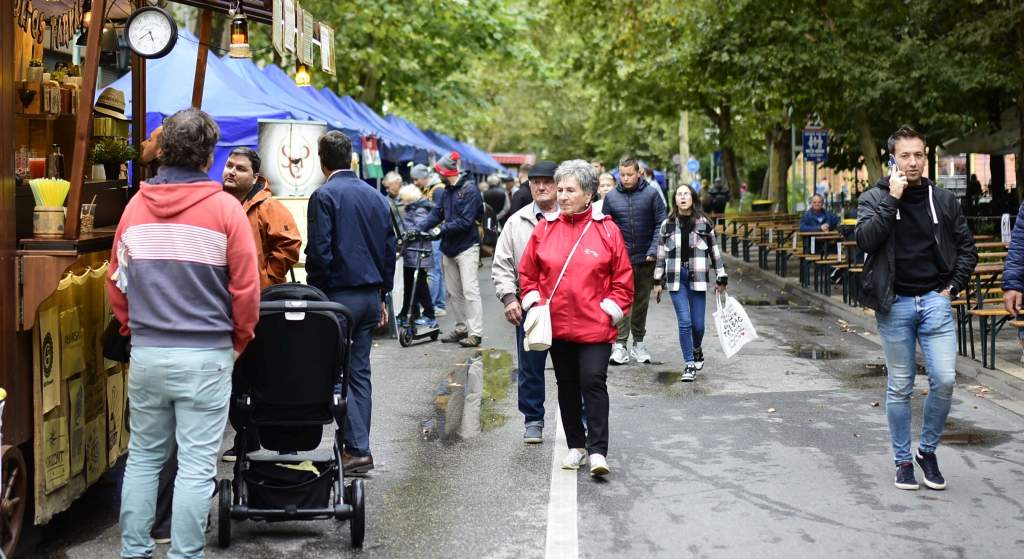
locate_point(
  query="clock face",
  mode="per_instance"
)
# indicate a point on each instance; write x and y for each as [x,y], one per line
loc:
[151,32]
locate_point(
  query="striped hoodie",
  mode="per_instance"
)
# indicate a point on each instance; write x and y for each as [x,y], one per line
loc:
[183,266]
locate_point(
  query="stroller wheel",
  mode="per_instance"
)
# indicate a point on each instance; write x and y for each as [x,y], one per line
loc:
[433,337]
[224,514]
[405,337]
[357,524]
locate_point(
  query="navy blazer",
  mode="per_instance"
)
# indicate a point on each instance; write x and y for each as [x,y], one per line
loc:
[351,241]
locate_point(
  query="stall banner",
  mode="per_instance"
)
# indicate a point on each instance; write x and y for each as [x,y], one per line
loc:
[95,449]
[76,419]
[291,163]
[48,336]
[55,453]
[115,416]
[101,313]
[372,168]
[71,291]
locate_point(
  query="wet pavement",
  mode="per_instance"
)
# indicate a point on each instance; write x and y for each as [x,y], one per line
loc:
[781,451]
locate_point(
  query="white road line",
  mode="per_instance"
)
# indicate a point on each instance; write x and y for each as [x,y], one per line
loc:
[562,538]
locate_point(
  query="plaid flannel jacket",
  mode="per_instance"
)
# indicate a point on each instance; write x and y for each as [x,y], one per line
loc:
[703,248]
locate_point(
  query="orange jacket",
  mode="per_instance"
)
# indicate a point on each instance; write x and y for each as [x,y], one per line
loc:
[277,237]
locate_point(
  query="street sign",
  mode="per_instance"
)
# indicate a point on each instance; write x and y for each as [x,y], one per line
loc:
[815,144]
[693,165]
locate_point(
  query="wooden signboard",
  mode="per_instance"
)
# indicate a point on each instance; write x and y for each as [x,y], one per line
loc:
[277,26]
[76,436]
[305,45]
[289,24]
[327,49]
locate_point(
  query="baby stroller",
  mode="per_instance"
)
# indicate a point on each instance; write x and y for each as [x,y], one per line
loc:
[290,382]
[410,331]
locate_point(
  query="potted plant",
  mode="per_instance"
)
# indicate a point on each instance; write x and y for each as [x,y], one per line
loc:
[111,153]
[35,70]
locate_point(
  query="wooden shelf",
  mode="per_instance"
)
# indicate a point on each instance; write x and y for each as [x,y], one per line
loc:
[101,238]
[43,116]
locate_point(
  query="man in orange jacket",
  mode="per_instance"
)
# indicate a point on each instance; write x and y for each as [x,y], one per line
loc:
[277,237]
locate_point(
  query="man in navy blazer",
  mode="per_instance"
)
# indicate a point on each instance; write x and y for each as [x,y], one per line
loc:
[350,256]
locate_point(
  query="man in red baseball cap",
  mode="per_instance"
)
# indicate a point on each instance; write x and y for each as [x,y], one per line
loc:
[460,206]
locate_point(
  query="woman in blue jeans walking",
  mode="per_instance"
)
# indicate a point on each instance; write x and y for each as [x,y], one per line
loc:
[684,269]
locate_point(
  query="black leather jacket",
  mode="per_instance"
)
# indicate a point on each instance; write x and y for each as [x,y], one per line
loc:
[875,234]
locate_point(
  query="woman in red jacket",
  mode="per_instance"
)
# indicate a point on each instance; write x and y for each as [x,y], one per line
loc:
[594,294]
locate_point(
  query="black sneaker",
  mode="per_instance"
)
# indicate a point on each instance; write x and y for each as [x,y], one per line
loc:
[905,476]
[689,374]
[698,358]
[229,455]
[930,468]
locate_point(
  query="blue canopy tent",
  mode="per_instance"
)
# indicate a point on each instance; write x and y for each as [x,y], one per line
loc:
[286,96]
[235,114]
[396,145]
[411,130]
[471,156]
[352,127]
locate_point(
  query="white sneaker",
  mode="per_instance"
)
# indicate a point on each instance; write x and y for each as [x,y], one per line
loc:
[640,353]
[598,465]
[438,313]
[619,355]
[574,459]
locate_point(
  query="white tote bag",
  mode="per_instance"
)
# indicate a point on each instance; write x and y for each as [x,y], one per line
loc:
[734,327]
[537,324]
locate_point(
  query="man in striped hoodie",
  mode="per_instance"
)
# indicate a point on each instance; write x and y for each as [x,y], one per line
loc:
[185,284]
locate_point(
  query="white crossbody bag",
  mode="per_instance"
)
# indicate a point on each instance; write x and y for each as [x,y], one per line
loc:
[537,324]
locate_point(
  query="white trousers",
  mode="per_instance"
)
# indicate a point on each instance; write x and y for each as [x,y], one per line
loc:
[462,282]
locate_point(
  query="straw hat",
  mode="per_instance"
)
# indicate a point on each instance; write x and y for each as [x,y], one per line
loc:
[111,103]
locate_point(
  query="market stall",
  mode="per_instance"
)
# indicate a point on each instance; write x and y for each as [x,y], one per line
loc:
[65,151]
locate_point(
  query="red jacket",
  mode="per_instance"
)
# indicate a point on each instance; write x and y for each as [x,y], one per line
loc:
[597,289]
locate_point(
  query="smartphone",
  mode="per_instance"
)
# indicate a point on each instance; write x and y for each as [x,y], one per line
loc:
[893,167]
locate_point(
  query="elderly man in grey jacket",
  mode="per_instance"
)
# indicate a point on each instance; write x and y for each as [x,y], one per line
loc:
[510,248]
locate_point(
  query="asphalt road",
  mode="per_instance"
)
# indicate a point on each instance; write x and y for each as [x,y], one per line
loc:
[781,451]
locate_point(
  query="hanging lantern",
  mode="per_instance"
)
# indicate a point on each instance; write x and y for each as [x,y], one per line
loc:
[302,77]
[239,35]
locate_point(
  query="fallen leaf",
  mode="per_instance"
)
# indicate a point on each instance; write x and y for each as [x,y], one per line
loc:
[856,435]
[875,404]
[771,410]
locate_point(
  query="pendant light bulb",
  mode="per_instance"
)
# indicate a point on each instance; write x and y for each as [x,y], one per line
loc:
[302,77]
[239,34]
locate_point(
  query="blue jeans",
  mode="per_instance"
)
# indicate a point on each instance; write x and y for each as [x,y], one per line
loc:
[928,320]
[689,305]
[174,394]
[436,277]
[365,307]
[531,379]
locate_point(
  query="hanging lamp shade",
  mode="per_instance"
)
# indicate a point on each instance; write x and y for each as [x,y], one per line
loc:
[302,77]
[240,36]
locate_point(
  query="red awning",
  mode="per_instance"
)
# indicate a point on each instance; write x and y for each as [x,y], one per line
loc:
[513,158]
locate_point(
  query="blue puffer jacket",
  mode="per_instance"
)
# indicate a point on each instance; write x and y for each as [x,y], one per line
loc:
[460,208]
[414,213]
[1013,270]
[639,214]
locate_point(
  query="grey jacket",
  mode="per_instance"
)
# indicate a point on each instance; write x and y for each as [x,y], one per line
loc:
[511,245]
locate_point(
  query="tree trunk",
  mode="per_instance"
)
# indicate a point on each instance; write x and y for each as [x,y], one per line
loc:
[778,166]
[684,142]
[872,161]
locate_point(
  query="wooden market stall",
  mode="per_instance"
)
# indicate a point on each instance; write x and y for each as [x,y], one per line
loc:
[64,423]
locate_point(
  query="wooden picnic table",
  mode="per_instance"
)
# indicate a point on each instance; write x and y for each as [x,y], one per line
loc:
[992,255]
[991,269]
[990,244]
[983,237]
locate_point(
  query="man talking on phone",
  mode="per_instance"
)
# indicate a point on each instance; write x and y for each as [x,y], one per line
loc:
[919,254]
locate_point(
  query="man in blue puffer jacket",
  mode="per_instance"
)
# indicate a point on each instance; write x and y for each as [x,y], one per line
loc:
[460,207]
[637,208]
[1013,273]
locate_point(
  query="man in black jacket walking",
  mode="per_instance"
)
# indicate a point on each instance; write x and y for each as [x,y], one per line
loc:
[638,209]
[919,254]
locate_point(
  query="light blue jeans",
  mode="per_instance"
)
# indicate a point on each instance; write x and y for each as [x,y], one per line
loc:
[436,277]
[928,320]
[690,308]
[180,394]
